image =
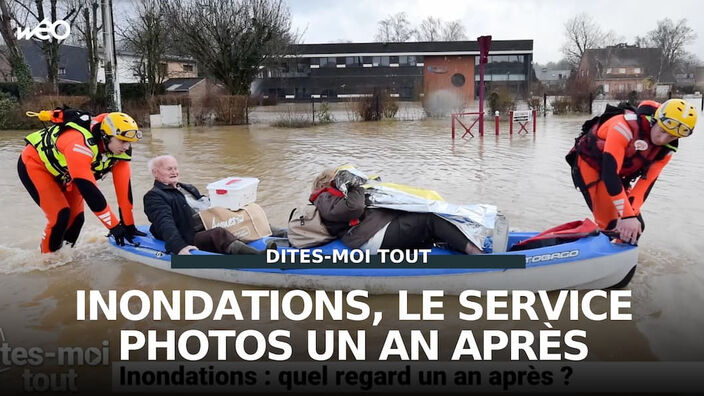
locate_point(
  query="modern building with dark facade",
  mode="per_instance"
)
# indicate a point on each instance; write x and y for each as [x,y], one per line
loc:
[409,70]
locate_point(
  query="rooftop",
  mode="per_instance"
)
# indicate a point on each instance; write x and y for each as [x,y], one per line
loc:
[181,84]
[411,48]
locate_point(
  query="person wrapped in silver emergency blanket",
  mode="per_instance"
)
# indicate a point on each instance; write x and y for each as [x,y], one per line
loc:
[369,214]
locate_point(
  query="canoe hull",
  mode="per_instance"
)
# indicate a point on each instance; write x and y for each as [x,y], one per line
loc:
[591,263]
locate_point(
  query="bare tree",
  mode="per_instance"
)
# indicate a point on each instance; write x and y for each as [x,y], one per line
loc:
[5,70]
[690,61]
[146,34]
[13,53]
[453,31]
[430,29]
[88,29]
[395,28]
[582,34]
[435,29]
[671,39]
[49,47]
[232,39]
[562,64]
[641,42]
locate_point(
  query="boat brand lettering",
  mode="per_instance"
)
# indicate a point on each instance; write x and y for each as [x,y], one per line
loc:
[552,256]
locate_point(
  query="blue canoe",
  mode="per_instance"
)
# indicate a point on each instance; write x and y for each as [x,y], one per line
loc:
[589,263]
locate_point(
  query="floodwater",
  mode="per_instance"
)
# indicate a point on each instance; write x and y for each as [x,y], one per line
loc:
[524,175]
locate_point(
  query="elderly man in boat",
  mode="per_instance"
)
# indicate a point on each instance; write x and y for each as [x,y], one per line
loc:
[172,206]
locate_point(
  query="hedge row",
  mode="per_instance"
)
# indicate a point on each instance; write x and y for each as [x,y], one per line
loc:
[127,91]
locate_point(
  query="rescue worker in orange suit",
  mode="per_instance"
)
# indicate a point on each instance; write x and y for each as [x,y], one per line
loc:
[614,152]
[59,167]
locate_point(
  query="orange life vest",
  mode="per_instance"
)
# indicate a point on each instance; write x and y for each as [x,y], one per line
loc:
[640,152]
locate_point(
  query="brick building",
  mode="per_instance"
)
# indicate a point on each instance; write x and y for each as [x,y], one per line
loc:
[407,70]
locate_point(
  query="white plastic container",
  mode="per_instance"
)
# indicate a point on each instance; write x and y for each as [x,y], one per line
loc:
[233,192]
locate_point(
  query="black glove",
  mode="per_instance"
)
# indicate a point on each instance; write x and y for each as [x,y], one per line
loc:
[119,232]
[133,231]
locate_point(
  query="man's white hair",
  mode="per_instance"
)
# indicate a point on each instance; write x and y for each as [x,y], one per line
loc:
[156,161]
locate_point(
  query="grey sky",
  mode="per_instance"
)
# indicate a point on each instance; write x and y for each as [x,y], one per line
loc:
[324,21]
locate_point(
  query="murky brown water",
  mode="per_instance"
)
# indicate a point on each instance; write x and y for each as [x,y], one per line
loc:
[525,176]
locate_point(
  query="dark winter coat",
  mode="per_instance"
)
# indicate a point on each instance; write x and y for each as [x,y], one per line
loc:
[337,212]
[170,215]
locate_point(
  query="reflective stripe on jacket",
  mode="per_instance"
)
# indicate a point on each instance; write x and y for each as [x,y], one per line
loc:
[640,152]
[44,141]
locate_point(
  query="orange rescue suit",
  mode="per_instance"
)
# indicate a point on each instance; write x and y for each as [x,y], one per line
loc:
[626,152]
[63,203]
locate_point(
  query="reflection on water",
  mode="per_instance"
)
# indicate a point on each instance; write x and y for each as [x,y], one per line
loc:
[524,175]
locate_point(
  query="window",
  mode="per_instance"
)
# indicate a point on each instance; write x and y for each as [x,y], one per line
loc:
[284,67]
[407,92]
[393,59]
[407,60]
[163,68]
[380,61]
[331,62]
[621,70]
[353,61]
[301,67]
[608,70]
[636,70]
[188,68]
[457,79]
[62,71]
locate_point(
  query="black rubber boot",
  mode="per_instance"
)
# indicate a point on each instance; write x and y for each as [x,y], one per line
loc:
[239,247]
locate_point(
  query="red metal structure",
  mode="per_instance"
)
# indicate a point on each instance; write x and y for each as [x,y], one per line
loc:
[484,44]
[467,129]
[522,118]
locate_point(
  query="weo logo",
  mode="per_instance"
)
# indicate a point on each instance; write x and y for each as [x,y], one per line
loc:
[45,30]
